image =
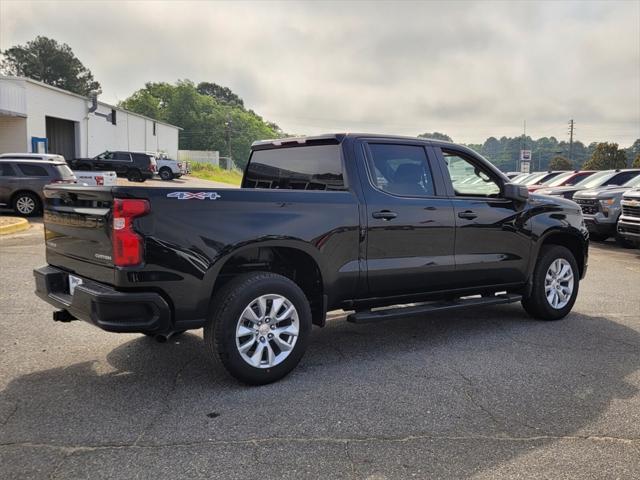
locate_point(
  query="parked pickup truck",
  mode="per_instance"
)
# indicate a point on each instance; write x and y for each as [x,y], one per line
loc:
[629,222]
[601,209]
[385,227]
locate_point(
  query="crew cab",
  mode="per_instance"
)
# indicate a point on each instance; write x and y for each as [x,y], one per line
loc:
[384,227]
[134,166]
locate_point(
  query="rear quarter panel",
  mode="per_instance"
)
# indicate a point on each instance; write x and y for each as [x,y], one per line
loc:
[188,241]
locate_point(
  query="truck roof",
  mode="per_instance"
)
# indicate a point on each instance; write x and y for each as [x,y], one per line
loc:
[335,138]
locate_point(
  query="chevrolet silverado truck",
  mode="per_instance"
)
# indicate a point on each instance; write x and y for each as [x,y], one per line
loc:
[629,221]
[383,227]
[601,210]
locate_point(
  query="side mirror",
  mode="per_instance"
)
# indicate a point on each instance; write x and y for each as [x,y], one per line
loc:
[516,192]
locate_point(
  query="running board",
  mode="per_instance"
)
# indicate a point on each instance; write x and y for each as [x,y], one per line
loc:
[368,316]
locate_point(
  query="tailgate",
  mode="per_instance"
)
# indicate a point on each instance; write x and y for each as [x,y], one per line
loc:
[77,221]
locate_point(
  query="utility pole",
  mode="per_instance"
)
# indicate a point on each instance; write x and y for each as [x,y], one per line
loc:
[228,126]
[571,140]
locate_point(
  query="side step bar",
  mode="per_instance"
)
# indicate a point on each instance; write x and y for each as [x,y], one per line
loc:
[368,316]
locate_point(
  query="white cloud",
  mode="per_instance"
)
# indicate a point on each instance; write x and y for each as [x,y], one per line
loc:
[470,69]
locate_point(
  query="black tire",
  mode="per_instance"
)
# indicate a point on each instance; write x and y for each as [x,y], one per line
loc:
[134,175]
[166,174]
[598,237]
[536,304]
[624,243]
[26,204]
[226,308]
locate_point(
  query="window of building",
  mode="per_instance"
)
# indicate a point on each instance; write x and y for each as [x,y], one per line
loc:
[154,129]
[311,167]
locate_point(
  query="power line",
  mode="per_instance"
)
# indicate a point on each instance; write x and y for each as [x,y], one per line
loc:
[571,139]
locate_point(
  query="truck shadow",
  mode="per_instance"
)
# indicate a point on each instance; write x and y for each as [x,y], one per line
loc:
[486,374]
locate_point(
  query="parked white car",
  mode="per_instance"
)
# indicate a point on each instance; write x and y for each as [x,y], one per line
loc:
[88,177]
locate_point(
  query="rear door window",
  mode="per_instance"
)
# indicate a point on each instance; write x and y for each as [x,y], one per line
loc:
[310,167]
[122,156]
[622,177]
[400,169]
[6,170]
[33,170]
[65,172]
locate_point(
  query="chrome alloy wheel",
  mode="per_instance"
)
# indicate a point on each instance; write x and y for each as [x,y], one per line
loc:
[25,205]
[267,331]
[558,283]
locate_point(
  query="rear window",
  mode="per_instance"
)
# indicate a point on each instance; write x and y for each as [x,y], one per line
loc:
[65,172]
[33,170]
[311,167]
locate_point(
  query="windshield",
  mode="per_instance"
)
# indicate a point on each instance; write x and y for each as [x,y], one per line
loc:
[559,180]
[65,172]
[634,182]
[533,179]
[595,180]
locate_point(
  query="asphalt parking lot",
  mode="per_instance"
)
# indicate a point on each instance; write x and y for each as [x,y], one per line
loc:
[483,394]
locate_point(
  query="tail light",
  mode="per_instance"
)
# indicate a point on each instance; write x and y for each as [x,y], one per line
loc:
[127,244]
[152,167]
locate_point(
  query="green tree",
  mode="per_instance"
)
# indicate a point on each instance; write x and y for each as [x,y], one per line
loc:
[48,61]
[206,121]
[560,163]
[436,136]
[636,162]
[223,95]
[605,156]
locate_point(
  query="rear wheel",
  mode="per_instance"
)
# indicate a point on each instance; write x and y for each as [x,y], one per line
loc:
[166,173]
[259,327]
[26,203]
[555,284]
[134,176]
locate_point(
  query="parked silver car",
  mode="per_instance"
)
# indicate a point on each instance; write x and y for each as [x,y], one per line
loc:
[22,181]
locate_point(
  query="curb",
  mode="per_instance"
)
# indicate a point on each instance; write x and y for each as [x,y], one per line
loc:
[16,225]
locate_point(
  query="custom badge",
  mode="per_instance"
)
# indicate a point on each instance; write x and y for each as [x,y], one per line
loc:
[194,195]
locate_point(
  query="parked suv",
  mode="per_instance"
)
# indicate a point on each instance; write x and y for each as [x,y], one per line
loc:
[601,209]
[135,166]
[629,222]
[22,181]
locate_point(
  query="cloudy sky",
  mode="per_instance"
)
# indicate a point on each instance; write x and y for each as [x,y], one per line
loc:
[469,69]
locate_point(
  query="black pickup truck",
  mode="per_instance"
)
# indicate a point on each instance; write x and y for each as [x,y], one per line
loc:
[385,227]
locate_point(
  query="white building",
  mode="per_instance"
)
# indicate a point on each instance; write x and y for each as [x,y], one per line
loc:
[35,116]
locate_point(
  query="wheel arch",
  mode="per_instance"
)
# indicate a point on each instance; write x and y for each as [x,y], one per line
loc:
[568,238]
[293,259]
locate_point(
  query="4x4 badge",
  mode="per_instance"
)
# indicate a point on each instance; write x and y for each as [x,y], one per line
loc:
[194,195]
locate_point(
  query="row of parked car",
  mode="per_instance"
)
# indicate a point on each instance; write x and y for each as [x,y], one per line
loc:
[24,175]
[609,199]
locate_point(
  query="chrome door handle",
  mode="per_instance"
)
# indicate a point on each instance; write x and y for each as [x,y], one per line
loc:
[468,214]
[384,214]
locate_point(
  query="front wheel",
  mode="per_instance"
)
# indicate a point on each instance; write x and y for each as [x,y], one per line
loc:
[259,327]
[27,204]
[555,284]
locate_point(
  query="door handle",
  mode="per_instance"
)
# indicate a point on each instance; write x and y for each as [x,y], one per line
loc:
[468,214]
[384,214]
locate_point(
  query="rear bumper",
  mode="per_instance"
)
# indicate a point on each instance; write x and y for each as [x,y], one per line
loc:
[102,305]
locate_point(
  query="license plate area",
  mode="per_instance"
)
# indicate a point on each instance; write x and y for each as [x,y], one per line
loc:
[73,283]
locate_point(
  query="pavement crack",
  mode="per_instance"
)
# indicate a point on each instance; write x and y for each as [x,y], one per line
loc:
[334,440]
[11,414]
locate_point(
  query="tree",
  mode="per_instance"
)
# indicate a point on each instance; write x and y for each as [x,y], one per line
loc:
[48,61]
[560,163]
[207,121]
[606,156]
[436,136]
[636,162]
[223,95]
